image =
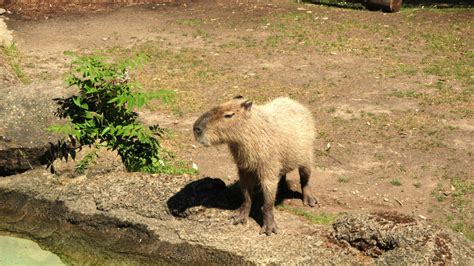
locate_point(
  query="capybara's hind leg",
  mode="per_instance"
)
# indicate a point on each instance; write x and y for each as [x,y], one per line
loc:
[247,183]
[308,198]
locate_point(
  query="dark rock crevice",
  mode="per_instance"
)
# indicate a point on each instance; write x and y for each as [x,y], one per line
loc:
[15,160]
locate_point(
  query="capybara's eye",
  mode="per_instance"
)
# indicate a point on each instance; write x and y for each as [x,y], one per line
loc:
[228,115]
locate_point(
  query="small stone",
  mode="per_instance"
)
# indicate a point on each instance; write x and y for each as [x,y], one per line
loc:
[2,11]
[195,167]
[334,189]
[422,217]
[385,199]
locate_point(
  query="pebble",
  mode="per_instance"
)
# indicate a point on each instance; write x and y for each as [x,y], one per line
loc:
[422,217]
[2,11]
[385,199]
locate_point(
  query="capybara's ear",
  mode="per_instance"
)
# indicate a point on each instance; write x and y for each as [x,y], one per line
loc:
[238,97]
[247,105]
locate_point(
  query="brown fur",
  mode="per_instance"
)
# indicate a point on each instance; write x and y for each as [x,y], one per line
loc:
[267,142]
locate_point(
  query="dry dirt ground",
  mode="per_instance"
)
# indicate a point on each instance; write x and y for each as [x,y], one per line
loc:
[392,94]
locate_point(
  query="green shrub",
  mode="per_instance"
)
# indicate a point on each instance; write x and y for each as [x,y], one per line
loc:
[102,115]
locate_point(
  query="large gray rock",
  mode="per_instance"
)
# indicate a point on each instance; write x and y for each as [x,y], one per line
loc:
[151,219]
[394,238]
[27,111]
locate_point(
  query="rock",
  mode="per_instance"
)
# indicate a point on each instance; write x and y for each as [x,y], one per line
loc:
[134,218]
[6,38]
[394,238]
[2,11]
[125,218]
[27,110]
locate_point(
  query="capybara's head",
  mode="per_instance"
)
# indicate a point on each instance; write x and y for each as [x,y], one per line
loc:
[223,123]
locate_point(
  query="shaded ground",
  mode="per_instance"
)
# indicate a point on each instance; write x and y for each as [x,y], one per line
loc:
[392,94]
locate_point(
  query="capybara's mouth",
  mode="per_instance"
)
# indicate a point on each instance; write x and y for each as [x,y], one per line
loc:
[203,142]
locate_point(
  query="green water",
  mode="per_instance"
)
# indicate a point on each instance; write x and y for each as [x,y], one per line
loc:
[24,252]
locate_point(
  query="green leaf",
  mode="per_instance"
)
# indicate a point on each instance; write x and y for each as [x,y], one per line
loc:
[77,101]
[107,129]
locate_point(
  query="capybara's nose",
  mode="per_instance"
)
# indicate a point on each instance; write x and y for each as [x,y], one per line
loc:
[197,130]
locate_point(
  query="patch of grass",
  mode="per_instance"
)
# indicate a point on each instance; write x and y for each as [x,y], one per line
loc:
[343,179]
[274,40]
[176,166]
[322,218]
[438,194]
[192,22]
[13,58]
[201,33]
[457,67]
[464,229]
[406,94]
[463,190]
[463,112]
[459,218]
[402,69]
[396,182]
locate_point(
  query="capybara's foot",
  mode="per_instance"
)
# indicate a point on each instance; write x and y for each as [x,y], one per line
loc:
[239,218]
[269,228]
[309,200]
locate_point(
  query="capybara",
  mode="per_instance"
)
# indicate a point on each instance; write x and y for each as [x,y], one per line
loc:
[267,141]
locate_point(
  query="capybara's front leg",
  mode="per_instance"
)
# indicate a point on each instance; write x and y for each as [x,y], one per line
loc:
[269,193]
[247,183]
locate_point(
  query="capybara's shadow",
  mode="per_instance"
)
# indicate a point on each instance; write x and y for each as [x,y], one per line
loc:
[213,193]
